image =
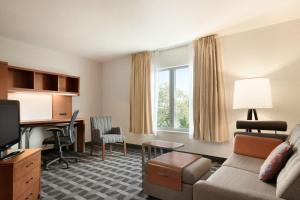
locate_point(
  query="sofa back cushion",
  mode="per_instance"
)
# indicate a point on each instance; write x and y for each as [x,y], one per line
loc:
[288,180]
[257,147]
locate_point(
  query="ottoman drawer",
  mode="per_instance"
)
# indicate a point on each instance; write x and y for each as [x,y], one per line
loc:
[164,176]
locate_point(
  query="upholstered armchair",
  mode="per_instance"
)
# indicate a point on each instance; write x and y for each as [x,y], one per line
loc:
[103,133]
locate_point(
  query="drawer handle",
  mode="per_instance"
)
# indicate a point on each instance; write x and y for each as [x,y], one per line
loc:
[28,196]
[29,165]
[163,174]
[29,180]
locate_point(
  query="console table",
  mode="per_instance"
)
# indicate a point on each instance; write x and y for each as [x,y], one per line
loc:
[158,145]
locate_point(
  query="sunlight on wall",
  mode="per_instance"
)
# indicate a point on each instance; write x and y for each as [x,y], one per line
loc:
[33,106]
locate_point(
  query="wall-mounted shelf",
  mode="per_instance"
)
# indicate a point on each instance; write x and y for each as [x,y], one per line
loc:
[28,80]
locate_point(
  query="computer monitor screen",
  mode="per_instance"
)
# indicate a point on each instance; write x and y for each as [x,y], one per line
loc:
[9,123]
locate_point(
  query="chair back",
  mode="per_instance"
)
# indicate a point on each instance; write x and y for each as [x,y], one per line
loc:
[70,128]
[102,123]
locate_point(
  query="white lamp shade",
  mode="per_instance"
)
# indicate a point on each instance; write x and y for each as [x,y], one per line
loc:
[252,93]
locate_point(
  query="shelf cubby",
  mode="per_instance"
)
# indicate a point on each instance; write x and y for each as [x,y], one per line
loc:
[46,82]
[19,79]
[72,84]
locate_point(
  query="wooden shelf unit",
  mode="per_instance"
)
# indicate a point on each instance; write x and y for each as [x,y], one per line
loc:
[28,80]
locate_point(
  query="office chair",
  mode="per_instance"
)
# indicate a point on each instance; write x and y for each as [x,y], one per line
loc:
[62,136]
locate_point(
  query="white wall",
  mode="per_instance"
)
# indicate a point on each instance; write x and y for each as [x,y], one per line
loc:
[26,55]
[272,52]
[115,83]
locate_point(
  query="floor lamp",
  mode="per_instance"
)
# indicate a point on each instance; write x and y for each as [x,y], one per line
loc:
[252,94]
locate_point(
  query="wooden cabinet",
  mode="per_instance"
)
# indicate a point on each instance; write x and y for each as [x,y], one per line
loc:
[3,80]
[61,107]
[20,176]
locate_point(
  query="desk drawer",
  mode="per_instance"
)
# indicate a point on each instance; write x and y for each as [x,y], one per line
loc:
[32,193]
[23,184]
[164,176]
[26,166]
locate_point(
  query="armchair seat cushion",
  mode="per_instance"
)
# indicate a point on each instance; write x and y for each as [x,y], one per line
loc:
[247,163]
[112,138]
[234,179]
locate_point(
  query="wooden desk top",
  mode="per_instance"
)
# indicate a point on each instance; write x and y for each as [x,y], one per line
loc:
[48,121]
[163,144]
[175,159]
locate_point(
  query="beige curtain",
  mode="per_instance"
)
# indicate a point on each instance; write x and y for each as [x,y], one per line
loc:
[140,94]
[210,117]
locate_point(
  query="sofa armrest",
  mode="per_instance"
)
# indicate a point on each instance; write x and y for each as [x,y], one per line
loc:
[116,130]
[204,190]
[258,147]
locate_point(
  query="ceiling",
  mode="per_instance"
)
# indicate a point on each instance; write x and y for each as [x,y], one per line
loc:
[106,29]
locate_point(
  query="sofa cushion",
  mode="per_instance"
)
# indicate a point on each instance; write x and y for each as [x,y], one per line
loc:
[288,180]
[247,163]
[233,178]
[275,162]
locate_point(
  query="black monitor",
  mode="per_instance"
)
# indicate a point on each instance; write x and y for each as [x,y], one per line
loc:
[9,123]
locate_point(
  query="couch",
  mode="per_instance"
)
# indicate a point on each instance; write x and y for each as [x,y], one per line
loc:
[237,179]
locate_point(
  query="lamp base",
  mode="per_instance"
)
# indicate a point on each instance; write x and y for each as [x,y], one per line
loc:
[252,112]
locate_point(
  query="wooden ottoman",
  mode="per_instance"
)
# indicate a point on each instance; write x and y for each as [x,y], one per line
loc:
[172,175]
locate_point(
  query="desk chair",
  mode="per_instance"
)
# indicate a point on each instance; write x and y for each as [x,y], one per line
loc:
[103,133]
[62,136]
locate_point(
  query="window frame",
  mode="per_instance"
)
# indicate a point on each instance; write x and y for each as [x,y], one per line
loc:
[172,107]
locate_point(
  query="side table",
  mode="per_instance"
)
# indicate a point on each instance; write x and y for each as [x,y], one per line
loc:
[157,145]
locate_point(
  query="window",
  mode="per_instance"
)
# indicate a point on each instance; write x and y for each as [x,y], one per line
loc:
[173,99]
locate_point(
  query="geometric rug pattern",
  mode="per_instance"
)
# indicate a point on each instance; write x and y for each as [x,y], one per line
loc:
[116,178]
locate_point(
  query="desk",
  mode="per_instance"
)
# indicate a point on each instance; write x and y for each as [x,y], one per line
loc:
[27,127]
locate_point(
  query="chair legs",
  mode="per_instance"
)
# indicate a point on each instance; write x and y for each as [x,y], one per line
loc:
[60,158]
[103,151]
[103,147]
[125,148]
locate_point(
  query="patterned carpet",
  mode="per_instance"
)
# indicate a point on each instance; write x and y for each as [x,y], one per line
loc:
[116,178]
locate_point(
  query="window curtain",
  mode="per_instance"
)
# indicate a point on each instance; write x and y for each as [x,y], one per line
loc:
[140,94]
[155,65]
[210,117]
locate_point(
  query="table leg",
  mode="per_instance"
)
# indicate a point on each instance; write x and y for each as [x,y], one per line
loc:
[155,150]
[143,156]
[80,137]
[23,131]
[27,137]
[149,152]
